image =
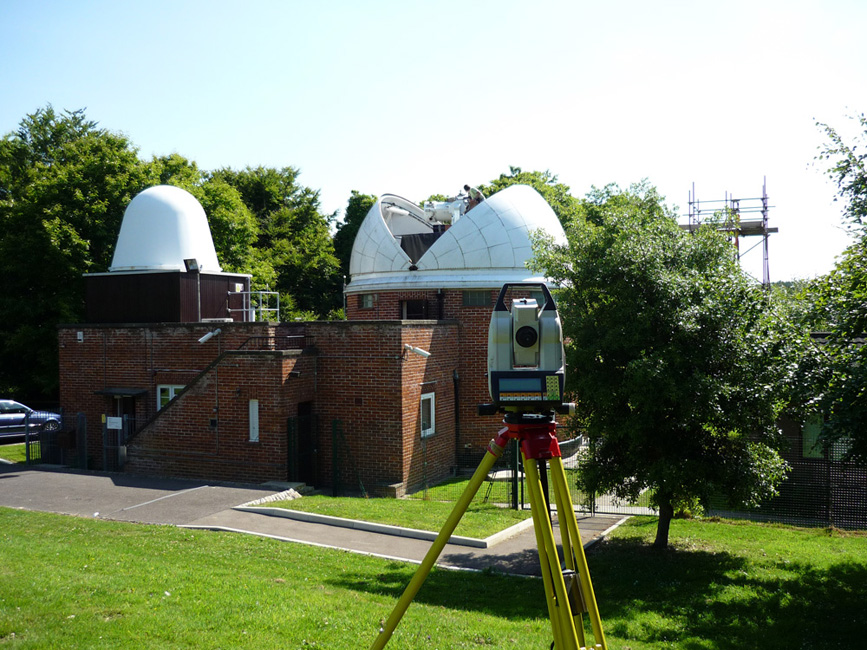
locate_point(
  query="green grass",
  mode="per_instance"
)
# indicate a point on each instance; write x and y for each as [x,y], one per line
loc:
[499,492]
[732,584]
[479,521]
[80,583]
[15,453]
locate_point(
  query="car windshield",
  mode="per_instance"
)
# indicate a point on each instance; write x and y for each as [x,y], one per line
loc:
[12,407]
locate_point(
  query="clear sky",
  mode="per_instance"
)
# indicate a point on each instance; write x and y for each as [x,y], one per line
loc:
[415,98]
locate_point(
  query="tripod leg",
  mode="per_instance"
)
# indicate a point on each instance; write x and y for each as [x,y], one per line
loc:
[495,450]
[559,610]
[573,549]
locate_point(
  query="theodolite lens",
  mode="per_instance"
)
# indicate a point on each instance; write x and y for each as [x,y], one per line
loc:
[526,336]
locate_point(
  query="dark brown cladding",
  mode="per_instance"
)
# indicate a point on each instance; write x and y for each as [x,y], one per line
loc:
[163,297]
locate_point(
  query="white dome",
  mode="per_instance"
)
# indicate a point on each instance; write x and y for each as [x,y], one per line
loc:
[162,226]
[488,246]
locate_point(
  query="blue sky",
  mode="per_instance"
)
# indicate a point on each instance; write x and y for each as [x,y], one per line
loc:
[415,98]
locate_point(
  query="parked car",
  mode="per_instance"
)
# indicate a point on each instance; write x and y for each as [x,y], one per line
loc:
[14,415]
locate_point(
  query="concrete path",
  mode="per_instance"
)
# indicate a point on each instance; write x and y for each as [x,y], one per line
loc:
[199,504]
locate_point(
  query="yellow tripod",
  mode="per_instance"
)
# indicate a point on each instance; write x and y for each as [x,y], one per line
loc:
[568,590]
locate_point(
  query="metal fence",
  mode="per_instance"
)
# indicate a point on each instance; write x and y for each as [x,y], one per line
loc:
[56,439]
[817,492]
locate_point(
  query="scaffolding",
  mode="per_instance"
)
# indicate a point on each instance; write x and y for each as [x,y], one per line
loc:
[737,217]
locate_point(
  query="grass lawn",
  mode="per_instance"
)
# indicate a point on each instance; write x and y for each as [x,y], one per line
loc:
[499,492]
[480,520]
[81,583]
[732,584]
[15,452]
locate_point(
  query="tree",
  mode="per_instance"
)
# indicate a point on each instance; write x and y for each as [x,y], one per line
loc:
[834,378]
[676,358]
[294,238]
[356,210]
[64,185]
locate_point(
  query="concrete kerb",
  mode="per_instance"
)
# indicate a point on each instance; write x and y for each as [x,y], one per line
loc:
[372,527]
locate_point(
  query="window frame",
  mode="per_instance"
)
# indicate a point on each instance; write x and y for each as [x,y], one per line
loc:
[476,298]
[172,391]
[253,419]
[431,429]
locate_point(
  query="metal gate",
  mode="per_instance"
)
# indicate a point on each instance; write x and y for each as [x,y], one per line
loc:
[57,443]
[115,433]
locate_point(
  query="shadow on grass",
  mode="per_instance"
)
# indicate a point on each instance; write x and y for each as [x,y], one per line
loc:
[489,592]
[700,599]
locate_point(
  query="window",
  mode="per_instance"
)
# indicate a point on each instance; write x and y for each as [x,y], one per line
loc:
[811,447]
[477,298]
[428,414]
[254,420]
[413,309]
[166,393]
[366,300]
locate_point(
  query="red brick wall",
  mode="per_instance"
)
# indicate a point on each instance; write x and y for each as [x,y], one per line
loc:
[470,343]
[184,440]
[367,381]
[357,373]
[135,357]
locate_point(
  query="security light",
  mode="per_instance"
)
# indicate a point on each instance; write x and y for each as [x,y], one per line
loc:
[207,337]
[418,351]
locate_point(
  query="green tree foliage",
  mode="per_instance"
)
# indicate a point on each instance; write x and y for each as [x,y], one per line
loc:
[356,209]
[294,238]
[676,358]
[834,377]
[64,184]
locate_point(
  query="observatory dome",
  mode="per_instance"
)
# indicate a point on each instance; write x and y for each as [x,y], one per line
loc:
[162,226]
[487,247]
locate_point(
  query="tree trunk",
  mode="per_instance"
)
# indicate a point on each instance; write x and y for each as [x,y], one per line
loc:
[666,513]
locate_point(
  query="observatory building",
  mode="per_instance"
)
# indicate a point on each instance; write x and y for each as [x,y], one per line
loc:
[165,268]
[176,376]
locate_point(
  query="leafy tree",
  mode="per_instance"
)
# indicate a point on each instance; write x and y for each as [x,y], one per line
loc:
[64,185]
[834,377]
[676,358]
[356,209]
[294,238]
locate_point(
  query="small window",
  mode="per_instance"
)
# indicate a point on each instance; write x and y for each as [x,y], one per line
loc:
[413,309]
[166,393]
[366,300]
[254,420]
[428,414]
[477,298]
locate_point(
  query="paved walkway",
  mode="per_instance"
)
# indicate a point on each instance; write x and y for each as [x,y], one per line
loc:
[198,504]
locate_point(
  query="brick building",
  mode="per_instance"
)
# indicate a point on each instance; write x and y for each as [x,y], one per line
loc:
[385,400]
